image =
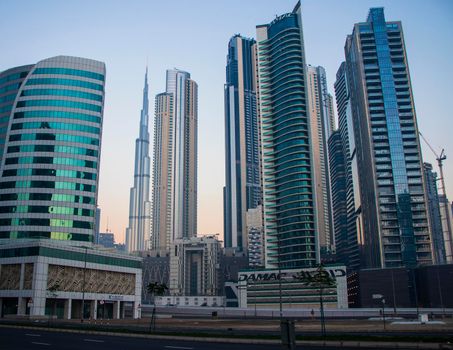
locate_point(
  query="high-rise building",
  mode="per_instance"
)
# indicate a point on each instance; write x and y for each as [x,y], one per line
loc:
[242,173]
[50,132]
[286,160]
[337,171]
[390,169]
[175,161]
[445,208]
[139,229]
[434,214]
[255,236]
[322,124]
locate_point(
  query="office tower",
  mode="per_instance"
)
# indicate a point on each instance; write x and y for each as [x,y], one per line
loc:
[445,208]
[107,239]
[50,133]
[194,266]
[337,171]
[242,173]
[434,214]
[139,229]
[175,161]
[348,247]
[390,170]
[322,124]
[255,236]
[288,203]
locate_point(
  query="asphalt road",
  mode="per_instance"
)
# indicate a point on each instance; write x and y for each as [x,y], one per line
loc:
[25,339]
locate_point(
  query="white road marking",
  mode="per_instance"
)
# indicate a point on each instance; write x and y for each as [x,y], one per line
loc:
[33,335]
[177,347]
[35,342]
[94,340]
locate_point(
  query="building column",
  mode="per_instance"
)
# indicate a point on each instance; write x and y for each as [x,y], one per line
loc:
[67,309]
[116,310]
[93,309]
[21,306]
[39,288]
[136,309]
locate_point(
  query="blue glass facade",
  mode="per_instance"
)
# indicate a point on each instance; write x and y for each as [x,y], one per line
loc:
[242,174]
[51,149]
[289,220]
[394,228]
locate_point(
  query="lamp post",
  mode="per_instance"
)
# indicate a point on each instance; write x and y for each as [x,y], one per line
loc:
[83,284]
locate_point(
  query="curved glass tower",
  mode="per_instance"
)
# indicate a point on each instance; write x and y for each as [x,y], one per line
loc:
[50,135]
[289,214]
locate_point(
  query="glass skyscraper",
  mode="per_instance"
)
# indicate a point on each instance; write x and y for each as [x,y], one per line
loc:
[288,204]
[139,230]
[50,134]
[242,173]
[175,161]
[395,228]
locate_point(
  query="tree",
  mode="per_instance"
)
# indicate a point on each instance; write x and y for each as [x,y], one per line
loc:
[159,289]
[320,279]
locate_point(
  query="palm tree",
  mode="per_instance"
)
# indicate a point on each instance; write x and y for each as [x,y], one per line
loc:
[321,279]
[159,289]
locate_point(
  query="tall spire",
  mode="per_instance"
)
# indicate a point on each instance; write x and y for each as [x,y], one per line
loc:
[138,231]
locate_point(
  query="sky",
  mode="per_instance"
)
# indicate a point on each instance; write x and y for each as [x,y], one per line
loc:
[193,36]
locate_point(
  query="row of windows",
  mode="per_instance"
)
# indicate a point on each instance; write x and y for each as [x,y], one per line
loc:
[60,185]
[69,71]
[57,114]
[12,77]
[53,148]
[62,92]
[54,197]
[59,103]
[11,87]
[49,172]
[57,126]
[7,98]
[52,160]
[55,137]
[66,82]
[43,209]
[46,222]
[64,236]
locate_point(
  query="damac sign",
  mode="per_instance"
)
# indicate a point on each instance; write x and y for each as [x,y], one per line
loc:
[255,277]
[281,17]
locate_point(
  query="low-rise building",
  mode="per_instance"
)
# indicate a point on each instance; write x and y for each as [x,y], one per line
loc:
[39,278]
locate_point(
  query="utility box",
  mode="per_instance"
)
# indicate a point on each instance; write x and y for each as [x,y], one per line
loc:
[288,334]
[423,318]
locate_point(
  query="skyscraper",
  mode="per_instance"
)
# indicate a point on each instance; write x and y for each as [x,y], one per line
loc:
[338,180]
[447,223]
[322,124]
[288,193]
[50,132]
[242,173]
[390,170]
[175,161]
[434,214]
[139,230]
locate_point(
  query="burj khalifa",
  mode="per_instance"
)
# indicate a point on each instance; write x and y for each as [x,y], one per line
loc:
[138,231]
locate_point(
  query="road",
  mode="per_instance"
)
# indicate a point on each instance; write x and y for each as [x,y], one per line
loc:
[25,339]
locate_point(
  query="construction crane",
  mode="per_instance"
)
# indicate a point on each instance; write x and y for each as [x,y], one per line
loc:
[440,158]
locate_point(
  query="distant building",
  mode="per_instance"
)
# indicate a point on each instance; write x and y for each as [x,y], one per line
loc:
[97,226]
[107,240]
[435,221]
[255,236]
[175,161]
[194,266]
[445,208]
[139,229]
[322,124]
[242,173]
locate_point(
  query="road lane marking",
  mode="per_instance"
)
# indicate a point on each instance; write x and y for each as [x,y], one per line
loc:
[37,343]
[177,347]
[94,340]
[32,335]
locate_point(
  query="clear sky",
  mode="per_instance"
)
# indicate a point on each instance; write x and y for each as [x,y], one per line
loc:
[193,36]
